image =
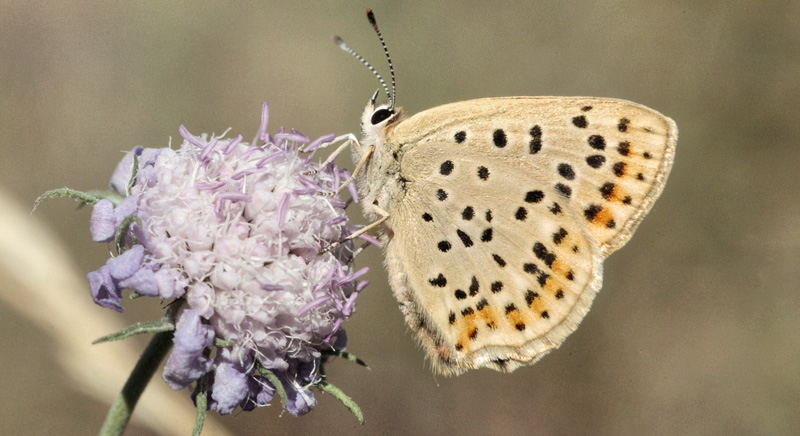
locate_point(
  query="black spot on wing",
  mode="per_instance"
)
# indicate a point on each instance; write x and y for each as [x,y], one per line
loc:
[440,281]
[596,161]
[474,287]
[465,239]
[624,148]
[565,190]
[499,138]
[548,257]
[534,196]
[446,168]
[468,213]
[566,171]
[536,140]
[597,142]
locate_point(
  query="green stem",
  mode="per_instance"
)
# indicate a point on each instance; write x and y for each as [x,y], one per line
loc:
[122,409]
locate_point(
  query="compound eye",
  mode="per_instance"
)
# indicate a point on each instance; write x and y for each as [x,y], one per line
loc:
[380,115]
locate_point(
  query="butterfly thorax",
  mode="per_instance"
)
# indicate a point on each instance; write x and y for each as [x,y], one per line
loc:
[379,182]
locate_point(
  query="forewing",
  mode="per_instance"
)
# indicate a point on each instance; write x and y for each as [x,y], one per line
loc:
[610,157]
[489,264]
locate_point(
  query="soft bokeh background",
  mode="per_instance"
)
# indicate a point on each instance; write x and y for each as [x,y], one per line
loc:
[696,328]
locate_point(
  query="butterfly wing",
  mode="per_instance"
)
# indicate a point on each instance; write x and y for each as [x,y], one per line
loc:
[610,157]
[505,217]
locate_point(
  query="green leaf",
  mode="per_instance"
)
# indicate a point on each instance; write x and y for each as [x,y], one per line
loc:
[124,227]
[132,181]
[82,197]
[269,375]
[223,343]
[348,402]
[162,325]
[202,404]
[345,355]
[108,195]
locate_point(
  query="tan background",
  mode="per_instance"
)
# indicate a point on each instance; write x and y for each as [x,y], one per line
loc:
[696,329]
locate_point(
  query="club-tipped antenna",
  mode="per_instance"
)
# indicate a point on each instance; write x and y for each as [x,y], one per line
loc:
[371,18]
[343,45]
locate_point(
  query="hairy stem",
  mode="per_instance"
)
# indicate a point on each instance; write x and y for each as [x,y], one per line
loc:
[122,409]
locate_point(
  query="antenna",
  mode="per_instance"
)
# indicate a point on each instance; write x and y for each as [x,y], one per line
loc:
[343,45]
[371,18]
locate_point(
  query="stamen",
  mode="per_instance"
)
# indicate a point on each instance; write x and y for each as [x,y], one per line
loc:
[337,220]
[194,140]
[282,209]
[246,172]
[294,137]
[313,304]
[352,277]
[262,130]
[272,287]
[232,145]
[371,239]
[208,149]
[209,186]
[319,141]
[269,159]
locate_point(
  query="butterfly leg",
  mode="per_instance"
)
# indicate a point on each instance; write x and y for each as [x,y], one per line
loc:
[352,177]
[358,168]
[349,140]
[384,216]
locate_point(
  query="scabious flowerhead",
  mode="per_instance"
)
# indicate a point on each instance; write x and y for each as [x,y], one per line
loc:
[235,233]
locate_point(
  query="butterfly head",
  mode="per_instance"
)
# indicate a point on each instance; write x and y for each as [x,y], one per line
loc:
[377,119]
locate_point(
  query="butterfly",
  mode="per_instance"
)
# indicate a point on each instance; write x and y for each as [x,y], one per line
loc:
[496,214]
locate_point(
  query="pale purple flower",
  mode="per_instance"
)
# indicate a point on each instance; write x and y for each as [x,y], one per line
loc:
[237,233]
[187,362]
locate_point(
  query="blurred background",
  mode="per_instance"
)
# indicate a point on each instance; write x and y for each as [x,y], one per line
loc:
[695,331]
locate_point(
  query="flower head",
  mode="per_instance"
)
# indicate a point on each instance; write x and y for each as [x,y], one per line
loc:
[238,234]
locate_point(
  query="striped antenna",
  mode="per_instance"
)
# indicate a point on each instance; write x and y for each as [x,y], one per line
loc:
[371,18]
[343,45]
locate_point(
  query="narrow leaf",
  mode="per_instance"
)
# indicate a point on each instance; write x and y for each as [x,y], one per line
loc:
[124,227]
[269,375]
[345,355]
[162,325]
[83,197]
[108,195]
[202,404]
[223,343]
[347,401]
[132,181]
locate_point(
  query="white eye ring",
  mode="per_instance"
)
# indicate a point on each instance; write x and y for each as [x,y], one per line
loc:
[381,114]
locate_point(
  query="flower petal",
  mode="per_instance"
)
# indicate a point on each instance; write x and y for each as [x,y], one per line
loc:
[104,291]
[300,399]
[127,207]
[103,224]
[187,362]
[143,282]
[231,386]
[122,174]
[126,264]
